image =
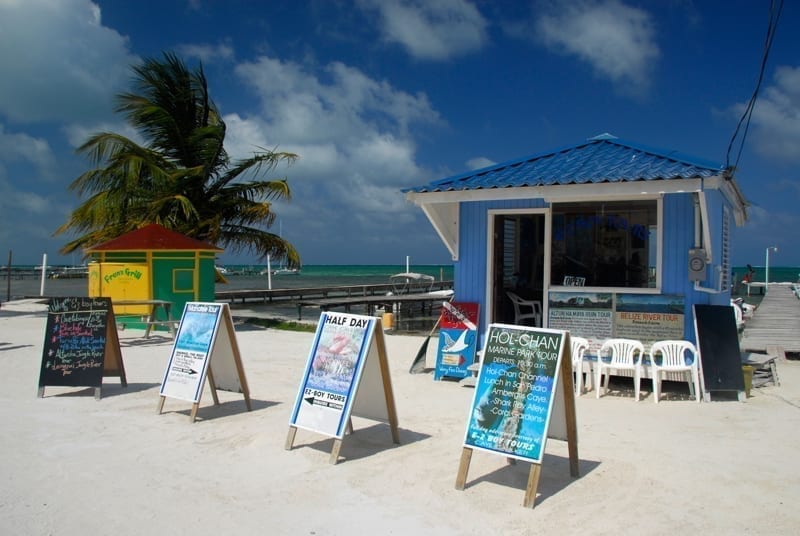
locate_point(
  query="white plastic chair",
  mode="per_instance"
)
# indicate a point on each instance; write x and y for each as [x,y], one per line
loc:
[625,354]
[578,346]
[673,358]
[520,305]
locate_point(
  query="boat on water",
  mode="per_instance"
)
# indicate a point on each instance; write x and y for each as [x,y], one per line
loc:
[281,271]
[69,272]
[286,271]
[411,283]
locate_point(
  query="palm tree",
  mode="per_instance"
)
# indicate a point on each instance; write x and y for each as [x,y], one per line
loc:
[182,178]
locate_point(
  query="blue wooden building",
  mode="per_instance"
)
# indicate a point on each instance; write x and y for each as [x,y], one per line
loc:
[608,237]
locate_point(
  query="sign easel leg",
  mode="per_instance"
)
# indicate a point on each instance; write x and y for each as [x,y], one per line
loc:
[290,437]
[160,404]
[337,446]
[463,468]
[213,387]
[533,483]
[195,407]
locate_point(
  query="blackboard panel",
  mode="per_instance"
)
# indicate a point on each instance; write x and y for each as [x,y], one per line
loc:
[718,341]
[75,342]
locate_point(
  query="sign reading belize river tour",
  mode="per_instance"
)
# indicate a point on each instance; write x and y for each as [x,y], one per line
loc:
[347,373]
[80,344]
[205,349]
[524,372]
[458,336]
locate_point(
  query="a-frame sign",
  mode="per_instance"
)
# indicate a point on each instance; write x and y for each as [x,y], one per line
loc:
[523,395]
[205,348]
[81,345]
[458,339]
[347,374]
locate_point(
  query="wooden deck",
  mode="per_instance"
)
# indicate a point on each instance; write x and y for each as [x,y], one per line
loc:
[311,293]
[396,302]
[775,323]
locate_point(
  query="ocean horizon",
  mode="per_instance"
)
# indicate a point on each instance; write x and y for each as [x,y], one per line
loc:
[239,277]
[250,276]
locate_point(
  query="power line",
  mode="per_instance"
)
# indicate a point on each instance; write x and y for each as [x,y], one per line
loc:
[775,9]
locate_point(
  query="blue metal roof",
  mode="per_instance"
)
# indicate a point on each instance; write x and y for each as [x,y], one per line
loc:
[602,159]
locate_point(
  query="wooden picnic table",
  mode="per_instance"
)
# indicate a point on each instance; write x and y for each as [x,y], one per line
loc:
[151,318]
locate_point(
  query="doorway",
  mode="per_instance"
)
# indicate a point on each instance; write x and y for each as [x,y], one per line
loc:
[517,264]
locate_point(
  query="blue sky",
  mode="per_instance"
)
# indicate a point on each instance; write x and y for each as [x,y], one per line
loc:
[378,95]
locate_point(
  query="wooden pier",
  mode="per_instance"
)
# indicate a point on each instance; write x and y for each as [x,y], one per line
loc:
[308,294]
[399,304]
[775,325]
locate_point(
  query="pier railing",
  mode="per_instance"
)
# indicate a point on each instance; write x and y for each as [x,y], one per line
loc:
[307,293]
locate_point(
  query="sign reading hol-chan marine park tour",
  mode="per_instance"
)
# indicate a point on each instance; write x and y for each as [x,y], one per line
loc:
[205,348]
[80,344]
[515,391]
[523,395]
[346,374]
[458,336]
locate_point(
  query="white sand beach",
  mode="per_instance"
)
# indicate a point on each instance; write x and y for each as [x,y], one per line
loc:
[75,465]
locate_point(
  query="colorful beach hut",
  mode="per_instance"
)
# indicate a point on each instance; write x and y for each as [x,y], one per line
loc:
[152,263]
[606,238]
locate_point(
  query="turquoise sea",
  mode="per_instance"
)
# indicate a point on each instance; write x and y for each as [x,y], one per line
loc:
[777,274]
[321,275]
[239,276]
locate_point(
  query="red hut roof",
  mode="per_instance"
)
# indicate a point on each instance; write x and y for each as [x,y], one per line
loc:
[153,236]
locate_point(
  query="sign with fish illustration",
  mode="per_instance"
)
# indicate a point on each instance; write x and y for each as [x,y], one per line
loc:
[80,345]
[205,349]
[458,339]
[524,386]
[346,374]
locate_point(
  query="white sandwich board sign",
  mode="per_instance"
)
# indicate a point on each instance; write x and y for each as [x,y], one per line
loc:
[205,348]
[346,374]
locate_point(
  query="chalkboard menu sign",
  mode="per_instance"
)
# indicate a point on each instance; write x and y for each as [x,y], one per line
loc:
[80,344]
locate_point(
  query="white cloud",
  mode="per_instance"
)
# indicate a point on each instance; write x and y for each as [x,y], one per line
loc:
[479,162]
[58,62]
[20,147]
[78,133]
[617,40]
[431,29]
[776,116]
[353,137]
[207,53]
[340,121]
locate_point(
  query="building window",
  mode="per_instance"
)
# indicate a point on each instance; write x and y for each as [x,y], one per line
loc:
[605,244]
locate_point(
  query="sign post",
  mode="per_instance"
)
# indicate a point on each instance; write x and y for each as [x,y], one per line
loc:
[523,395]
[458,336]
[80,345]
[205,348]
[347,373]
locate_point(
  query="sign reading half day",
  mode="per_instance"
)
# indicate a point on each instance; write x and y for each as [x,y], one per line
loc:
[515,391]
[332,372]
[205,348]
[80,345]
[458,336]
[523,395]
[347,373]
